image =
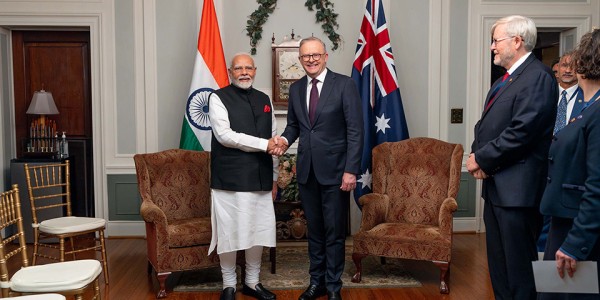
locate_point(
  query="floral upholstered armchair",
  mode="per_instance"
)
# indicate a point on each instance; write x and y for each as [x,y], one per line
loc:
[175,189]
[409,213]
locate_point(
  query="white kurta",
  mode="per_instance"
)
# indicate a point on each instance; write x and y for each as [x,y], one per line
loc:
[240,220]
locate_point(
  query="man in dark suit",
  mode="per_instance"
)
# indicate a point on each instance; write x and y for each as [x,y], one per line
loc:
[324,111]
[569,105]
[509,153]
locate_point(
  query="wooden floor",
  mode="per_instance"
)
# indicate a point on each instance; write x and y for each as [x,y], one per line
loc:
[469,277]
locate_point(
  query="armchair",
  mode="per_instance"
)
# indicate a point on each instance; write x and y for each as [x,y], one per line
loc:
[409,213]
[175,189]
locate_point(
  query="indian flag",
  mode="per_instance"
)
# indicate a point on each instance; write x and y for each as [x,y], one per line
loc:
[210,73]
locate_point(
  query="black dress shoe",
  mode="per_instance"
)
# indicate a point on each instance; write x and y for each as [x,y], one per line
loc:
[259,292]
[228,294]
[313,292]
[334,295]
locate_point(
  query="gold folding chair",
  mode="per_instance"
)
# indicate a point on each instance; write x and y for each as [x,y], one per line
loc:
[72,278]
[50,189]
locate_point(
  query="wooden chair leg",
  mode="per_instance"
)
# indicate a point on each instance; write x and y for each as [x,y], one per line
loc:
[444,276]
[162,279]
[104,256]
[273,259]
[149,268]
[357,258]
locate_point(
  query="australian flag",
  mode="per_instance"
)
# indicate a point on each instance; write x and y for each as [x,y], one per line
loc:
[375,75]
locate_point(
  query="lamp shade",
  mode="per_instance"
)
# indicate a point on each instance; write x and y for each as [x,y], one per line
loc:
[42,103]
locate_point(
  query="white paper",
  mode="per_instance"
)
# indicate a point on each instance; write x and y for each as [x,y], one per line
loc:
[584,280]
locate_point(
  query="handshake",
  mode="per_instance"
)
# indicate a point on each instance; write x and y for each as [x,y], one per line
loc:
[277,146]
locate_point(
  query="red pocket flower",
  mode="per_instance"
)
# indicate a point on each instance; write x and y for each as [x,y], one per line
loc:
[267,108]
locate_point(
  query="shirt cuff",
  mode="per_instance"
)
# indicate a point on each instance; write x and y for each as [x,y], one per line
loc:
[263,144]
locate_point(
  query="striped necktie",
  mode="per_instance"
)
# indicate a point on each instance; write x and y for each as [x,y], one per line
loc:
[496,90]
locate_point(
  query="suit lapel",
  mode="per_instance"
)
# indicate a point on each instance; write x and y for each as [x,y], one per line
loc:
[578,105]
[303,104]
[512,78]
[325,91]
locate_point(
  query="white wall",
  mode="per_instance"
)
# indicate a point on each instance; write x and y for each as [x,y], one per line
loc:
[142,53]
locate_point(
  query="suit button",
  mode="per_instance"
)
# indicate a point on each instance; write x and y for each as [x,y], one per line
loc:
[584,250]
[312,131]
[551,158]
[549,179]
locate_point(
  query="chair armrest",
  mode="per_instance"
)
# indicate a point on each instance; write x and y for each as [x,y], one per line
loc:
[448,207]
[151,213]
[374,211]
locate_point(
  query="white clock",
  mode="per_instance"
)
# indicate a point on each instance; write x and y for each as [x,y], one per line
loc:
[286,69]
[289,65]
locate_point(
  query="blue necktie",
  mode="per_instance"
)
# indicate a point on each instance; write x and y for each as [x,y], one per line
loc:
[561,113]
[313,100]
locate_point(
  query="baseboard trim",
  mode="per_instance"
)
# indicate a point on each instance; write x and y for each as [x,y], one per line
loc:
[465,224]
[126,229]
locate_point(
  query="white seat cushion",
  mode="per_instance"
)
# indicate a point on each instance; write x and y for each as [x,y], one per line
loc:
[41,297]
[62,276]
[71,224]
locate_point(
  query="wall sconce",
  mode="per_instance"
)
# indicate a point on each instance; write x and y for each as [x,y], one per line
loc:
[42,104]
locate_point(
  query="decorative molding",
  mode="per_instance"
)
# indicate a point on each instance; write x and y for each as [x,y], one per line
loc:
[435,71]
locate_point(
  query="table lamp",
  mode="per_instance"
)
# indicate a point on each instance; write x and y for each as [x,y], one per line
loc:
[42,104]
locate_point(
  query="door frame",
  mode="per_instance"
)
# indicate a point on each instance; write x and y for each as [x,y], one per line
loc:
[99,68]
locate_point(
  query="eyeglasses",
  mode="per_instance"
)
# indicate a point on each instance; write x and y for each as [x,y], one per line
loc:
[496,41]
[238,69]
[316,56]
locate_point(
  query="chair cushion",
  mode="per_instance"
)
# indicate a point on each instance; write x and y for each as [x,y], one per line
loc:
[40,297]
[55,277]
[71,224]
[189,232]
[402,240]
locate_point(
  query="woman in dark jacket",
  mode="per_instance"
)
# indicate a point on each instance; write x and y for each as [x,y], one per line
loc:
[572,195]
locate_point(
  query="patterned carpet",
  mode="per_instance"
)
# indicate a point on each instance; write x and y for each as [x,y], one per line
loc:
[292,273]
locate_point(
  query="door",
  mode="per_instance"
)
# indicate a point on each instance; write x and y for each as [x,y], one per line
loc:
[58,62]
[568,40]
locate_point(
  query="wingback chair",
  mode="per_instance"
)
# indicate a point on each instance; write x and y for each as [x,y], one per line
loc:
[175,189]
[409,213]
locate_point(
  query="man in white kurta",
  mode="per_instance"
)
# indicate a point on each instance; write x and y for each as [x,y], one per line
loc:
[243,216]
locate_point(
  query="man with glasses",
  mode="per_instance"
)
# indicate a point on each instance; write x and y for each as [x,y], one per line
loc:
[324,112]
[243,177]
[569,105]
[510,153]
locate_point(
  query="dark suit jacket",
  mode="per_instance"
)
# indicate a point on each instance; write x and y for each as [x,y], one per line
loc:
[573,189]
[578,105]
[333,145]
[513,136]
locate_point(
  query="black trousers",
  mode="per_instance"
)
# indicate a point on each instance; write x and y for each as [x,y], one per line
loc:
[326,212]
[511,235]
